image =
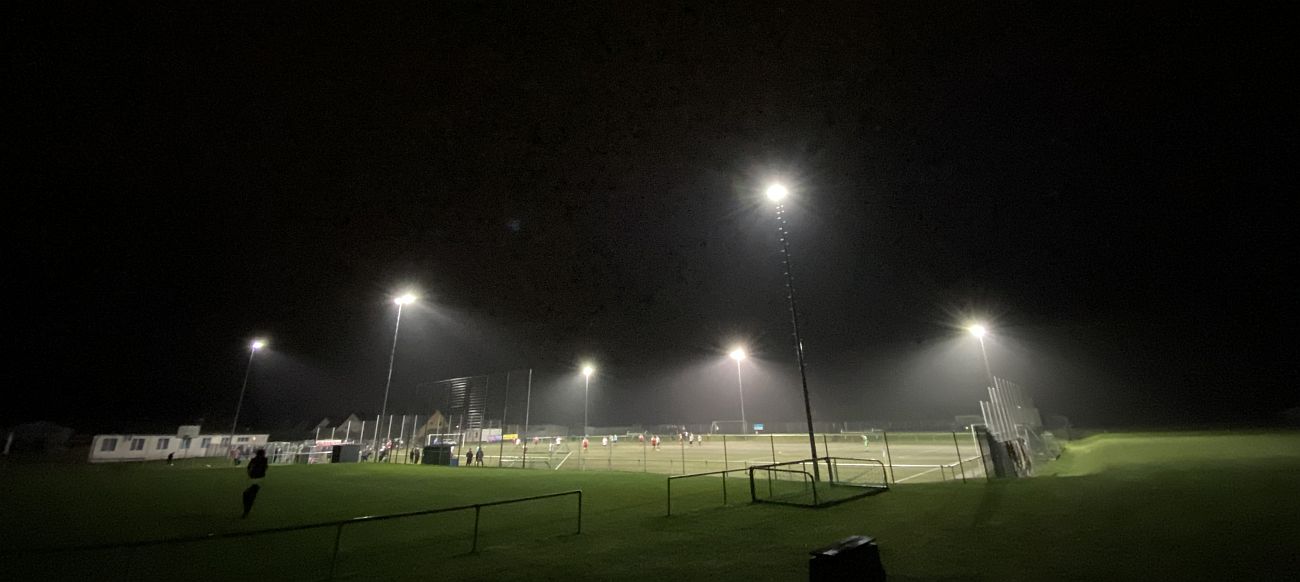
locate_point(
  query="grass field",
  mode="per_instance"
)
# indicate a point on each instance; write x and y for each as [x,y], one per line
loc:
[1115,507]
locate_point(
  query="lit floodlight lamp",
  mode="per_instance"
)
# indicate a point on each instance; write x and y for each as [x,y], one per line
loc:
[777,192]
[977,330]
[587,370]
[405,299]
[737,354]
[258,344]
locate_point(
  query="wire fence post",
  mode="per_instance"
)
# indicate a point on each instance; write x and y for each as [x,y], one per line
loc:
[724,489]
[388,439]
[505,407]
[670,496]
[528,410]
[334,558]
[643,458]
[681,440]
[725,464]
[888,457]
[827,448]
[960,463]
[474,548]
[771,438]
[579,511]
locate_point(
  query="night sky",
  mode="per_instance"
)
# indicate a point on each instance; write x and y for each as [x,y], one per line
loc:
[1105,184]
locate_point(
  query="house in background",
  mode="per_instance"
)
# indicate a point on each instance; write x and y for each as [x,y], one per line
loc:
[187,442]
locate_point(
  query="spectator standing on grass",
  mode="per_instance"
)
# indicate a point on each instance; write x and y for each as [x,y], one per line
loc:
[478,457]
[170,456]
[469,457]
[256,472]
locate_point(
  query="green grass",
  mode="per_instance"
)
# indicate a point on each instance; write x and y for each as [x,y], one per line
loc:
[1127,507]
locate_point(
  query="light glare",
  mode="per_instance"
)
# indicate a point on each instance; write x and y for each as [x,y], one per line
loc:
[405,299]
[777,192]
[258,344]
[587,370]
[977,330]
[737,354]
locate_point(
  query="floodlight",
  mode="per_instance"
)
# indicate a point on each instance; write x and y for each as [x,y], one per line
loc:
[405,299]
[587,370]
[737,354]
[977,330]
[776,192]
[258,344]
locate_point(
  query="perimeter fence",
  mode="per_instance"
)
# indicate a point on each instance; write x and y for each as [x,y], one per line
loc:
[299,552]
[908,457]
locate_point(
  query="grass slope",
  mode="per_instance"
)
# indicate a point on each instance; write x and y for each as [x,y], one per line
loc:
[1120,507]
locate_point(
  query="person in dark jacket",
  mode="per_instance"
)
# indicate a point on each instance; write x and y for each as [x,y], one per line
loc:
[479,457]
[256,472]
[469,457]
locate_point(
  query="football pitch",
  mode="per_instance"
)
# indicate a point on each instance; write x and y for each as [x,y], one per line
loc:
[1115,507]
[910,456]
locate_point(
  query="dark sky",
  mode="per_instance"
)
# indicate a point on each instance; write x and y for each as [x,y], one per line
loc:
[1103,182]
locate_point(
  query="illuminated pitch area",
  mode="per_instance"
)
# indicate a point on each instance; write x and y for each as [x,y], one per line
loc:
[916,457]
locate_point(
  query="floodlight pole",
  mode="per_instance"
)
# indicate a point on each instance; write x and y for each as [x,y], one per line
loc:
[783,229]
[391,355]
[586,391]
[740,383]
[988,370]
[234,426]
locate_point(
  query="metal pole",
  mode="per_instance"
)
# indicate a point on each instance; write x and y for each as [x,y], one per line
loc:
[389,437]
[959,461]
[725,463]
[505,406]
[826,448]
[643,459]
[670,496]
[247,369]
[681,439]
[362,437]
[333,430]
[988,370]
[400,432]
[415,423]
[387,384]
[888,457]
[528,408]
[979,449]
[334,558]
[798,340]
[349,430]
[582,450]
[474,548]
[772,439]
[744,426]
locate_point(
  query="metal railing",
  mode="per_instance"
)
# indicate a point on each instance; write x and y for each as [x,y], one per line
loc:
[808,481]
[724,483]
[338,536]
[833,479]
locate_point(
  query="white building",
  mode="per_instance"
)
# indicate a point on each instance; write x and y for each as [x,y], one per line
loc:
[187,442]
